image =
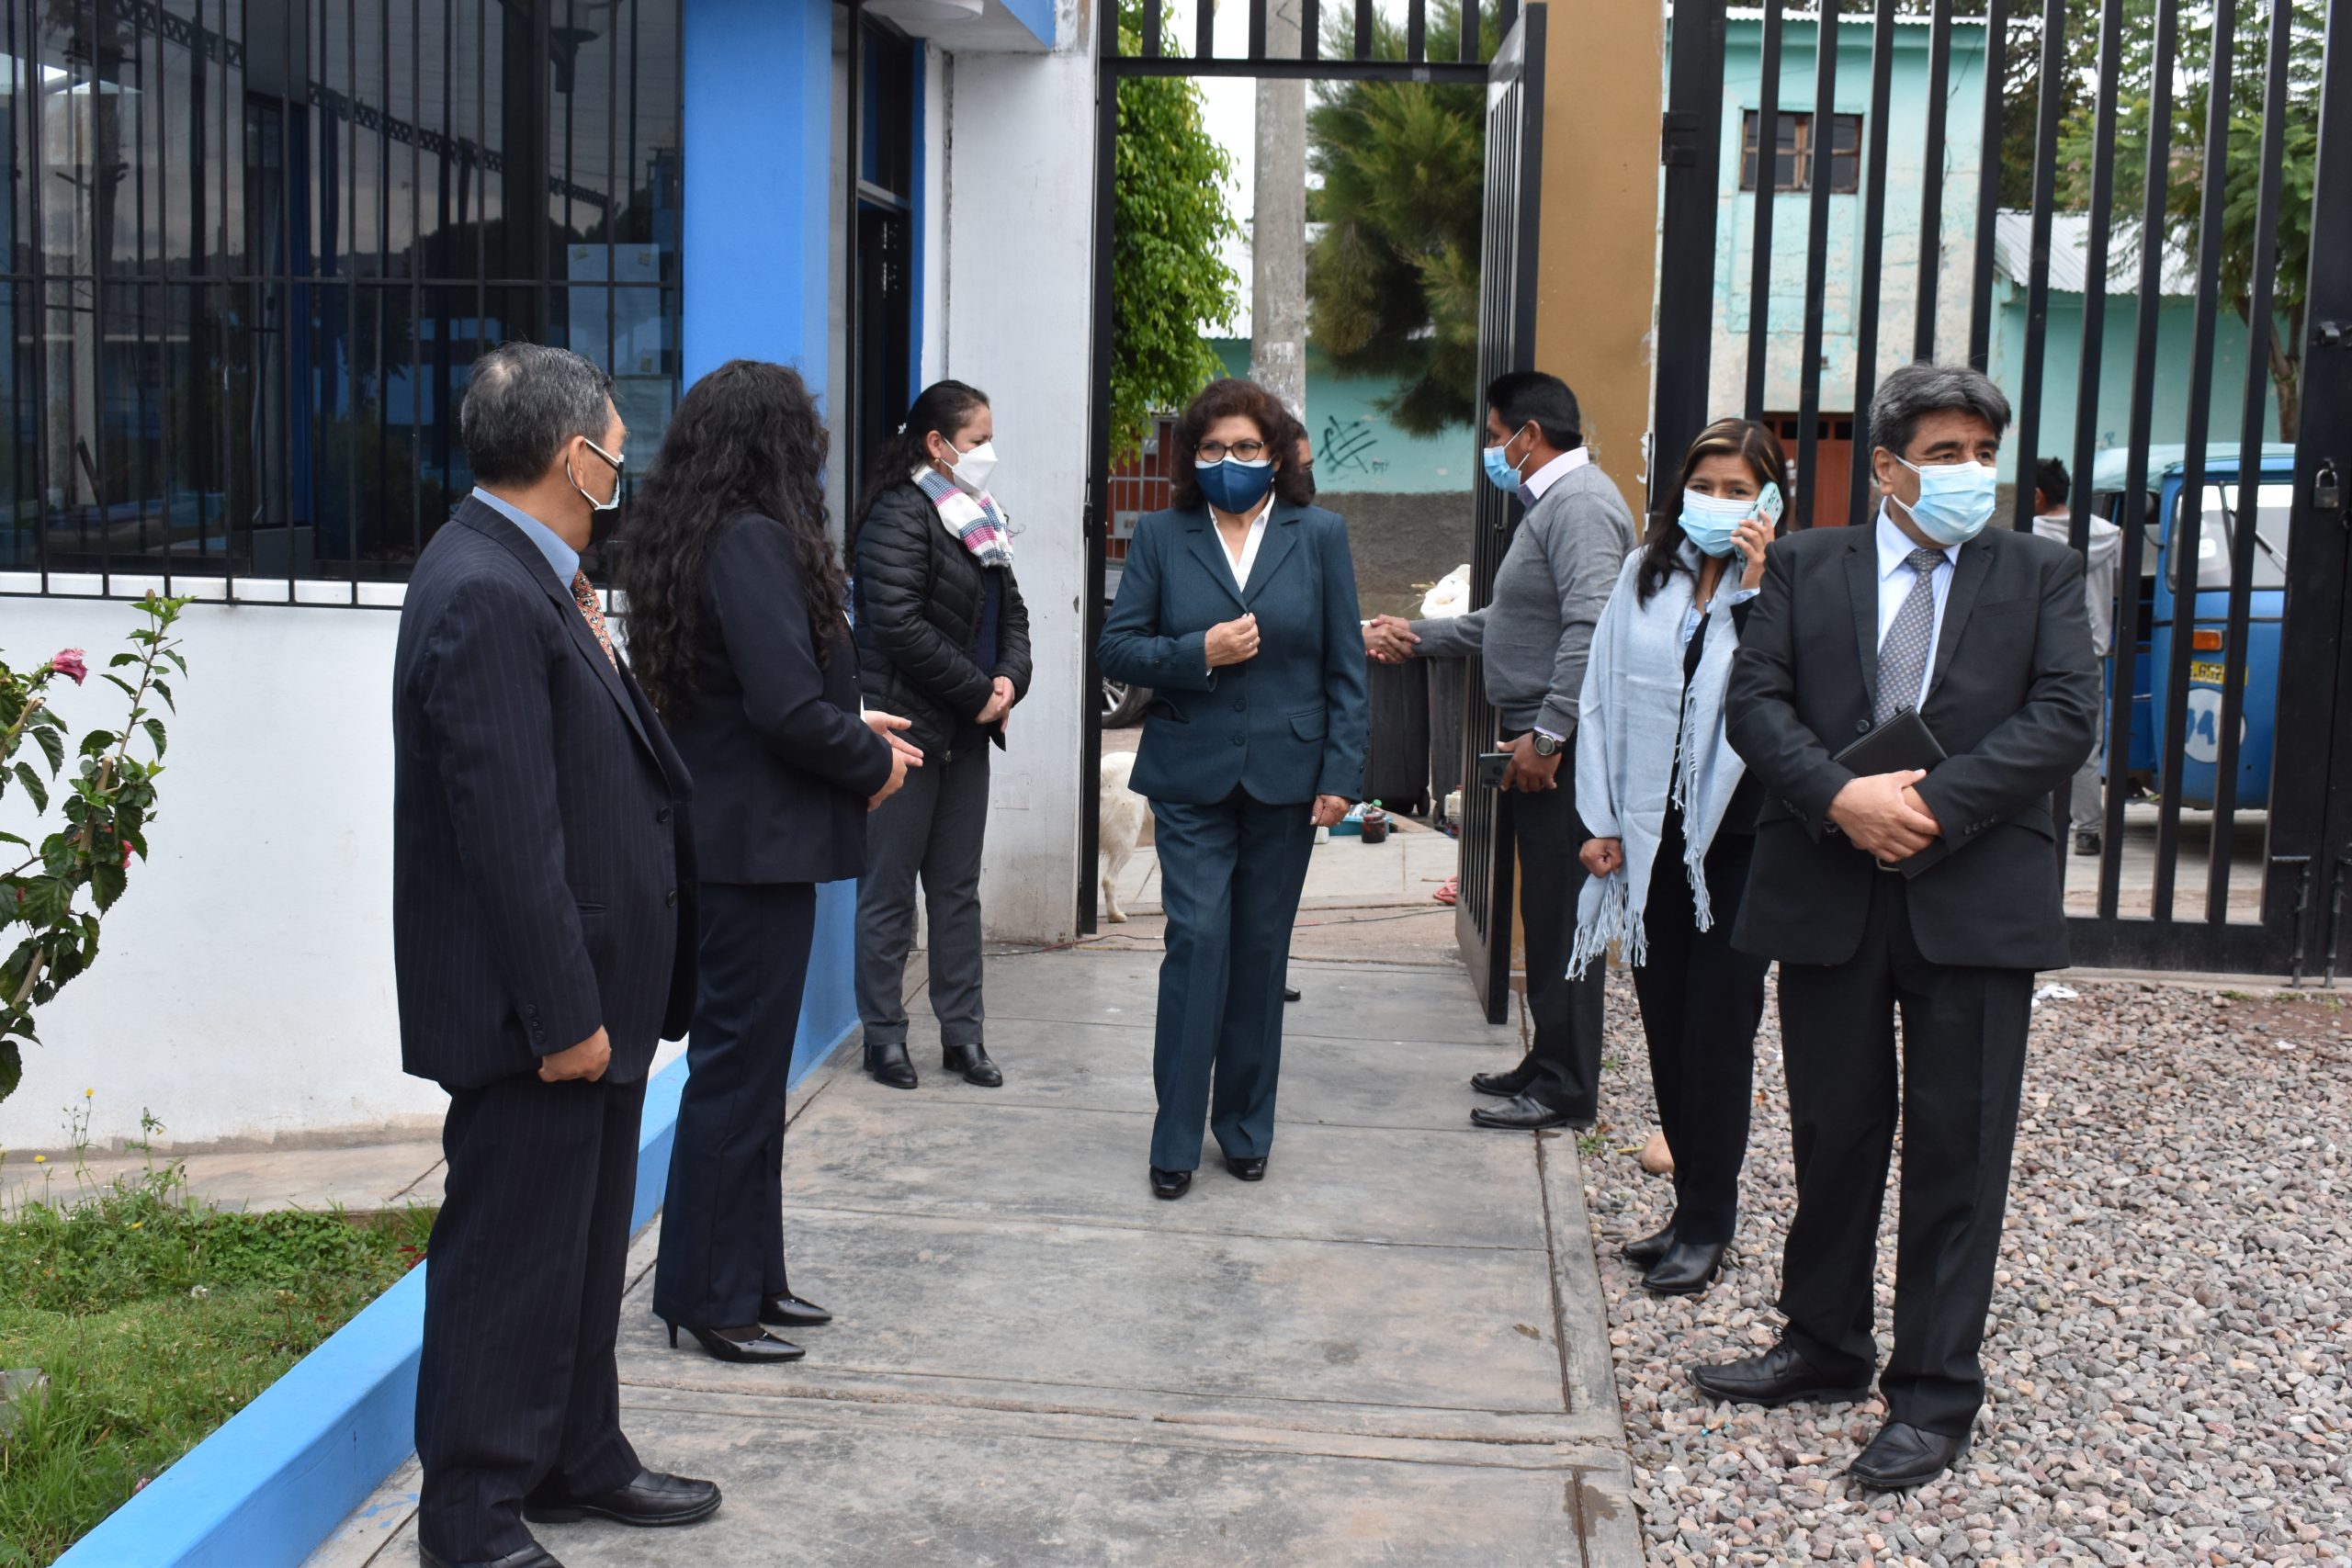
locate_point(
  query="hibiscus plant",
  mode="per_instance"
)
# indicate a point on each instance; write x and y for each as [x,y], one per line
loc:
[104,796]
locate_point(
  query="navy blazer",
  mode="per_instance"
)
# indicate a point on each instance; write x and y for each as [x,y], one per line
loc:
[543,873]
[1286,726]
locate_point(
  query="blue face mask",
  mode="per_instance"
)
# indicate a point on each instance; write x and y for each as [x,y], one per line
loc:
[1955,500]
[1501,471]
[1233,486]
[1708,520]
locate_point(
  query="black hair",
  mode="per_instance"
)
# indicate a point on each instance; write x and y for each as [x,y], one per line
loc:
[2050,479]
[1524,397]
[1911,393]
[1754,444]
[1221,400]
[523,401]
[946,407]
[745,438]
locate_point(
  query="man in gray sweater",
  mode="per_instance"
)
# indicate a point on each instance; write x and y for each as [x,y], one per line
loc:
[1533,636]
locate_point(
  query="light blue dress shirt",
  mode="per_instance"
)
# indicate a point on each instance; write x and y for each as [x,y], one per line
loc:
[561,558]
[1895,579]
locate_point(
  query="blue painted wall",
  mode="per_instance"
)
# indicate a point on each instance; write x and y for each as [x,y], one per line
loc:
[1359,449]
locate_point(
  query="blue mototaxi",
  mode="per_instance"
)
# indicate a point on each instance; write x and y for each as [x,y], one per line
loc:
[2162,591]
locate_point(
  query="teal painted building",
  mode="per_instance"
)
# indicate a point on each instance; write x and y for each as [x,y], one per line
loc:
[1358,449]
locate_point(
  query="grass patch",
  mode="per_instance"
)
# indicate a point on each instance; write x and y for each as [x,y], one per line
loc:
[157,1319]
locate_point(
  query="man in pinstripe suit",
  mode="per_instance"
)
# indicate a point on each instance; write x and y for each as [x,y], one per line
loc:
[543,889]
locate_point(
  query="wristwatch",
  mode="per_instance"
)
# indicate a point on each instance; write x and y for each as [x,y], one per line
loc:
[1545,745]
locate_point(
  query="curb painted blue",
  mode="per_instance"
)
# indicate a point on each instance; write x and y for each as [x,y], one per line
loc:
[278,1476]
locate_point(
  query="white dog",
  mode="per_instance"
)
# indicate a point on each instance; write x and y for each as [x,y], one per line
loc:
[1124,813]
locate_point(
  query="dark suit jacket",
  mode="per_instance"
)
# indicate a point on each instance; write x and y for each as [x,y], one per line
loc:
[783,764]
[1286,726]
[2012,698]
[542,861]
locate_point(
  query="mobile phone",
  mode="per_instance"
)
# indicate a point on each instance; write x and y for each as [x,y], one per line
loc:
[1768,504]
[1491,767]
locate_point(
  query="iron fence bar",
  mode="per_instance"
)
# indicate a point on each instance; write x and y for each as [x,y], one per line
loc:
[142,469]
[1098,474]
[1151,25]
[1257,27]
[2027,441]
[1416,31]
[1203,29]
[1310,29]
[2145,326]
[1505,17]
[2253,421]
[1988,183]
[1866,322]
[1691,148]
[172,294]
[100,244]
[2087,382]
[1768,170]
[223,428]
[1363,29]
[416,287]
[1931,182]
[2183,557]
[1824,120]
[1322,70]
[1468,50]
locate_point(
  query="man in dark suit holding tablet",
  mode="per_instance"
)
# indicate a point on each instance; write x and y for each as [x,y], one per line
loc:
[1912,692]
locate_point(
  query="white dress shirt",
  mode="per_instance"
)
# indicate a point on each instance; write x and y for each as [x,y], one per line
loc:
[1532,488]
[1249,543]
[1895,579]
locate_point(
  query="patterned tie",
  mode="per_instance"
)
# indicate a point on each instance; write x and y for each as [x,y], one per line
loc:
[1902,656]
[584,596]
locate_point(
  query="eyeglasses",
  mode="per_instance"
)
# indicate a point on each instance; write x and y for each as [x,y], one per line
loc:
[1217,451]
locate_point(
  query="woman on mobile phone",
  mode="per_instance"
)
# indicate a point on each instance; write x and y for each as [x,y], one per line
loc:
[1672,814]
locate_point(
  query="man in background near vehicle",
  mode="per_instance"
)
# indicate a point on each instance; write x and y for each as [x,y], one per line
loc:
[2103,557]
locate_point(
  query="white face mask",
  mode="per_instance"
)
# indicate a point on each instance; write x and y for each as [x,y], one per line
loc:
[971,470]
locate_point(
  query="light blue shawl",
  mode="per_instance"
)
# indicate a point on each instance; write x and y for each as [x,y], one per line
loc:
[1634,714]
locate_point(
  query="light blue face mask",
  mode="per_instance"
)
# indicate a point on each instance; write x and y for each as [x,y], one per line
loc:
[1501,471]
[1955,500]
[1710,521]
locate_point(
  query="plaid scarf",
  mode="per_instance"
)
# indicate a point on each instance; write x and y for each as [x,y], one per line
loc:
[979,524]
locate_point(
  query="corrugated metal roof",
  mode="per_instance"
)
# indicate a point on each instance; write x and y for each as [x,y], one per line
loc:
[2070,234]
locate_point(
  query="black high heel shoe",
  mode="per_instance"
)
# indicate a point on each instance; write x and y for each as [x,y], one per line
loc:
[785,1310]
[972,1061]
[889,1065]
[1688,1267]
[1646,1250]
[761,1349]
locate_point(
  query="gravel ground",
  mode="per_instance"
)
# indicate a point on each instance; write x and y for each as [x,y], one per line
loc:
[2168,1353]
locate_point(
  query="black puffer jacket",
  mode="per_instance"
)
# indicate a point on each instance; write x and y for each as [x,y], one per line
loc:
[919,600]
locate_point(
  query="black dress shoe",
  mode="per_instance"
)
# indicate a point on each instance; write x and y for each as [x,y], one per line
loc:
[788,1311]
[1171,1183]
[653,1499]
[1290,993]
[1251,1169]
[972,1061]
[1524,1114]
[1903,1456]
[1647,1249]
[1688,1267]
[750,1343]
[2087,844]
[1505,1085]
[1779,1376]
[889,1065]
[532,1556]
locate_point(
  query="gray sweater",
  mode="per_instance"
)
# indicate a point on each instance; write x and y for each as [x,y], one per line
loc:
[1549,589]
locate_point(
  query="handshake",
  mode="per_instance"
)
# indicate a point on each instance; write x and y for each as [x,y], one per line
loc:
[1388,639]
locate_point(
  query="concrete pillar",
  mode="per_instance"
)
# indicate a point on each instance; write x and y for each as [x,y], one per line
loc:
[1278,227]
[1604,72]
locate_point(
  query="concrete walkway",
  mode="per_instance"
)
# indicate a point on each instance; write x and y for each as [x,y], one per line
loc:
[1391,1351]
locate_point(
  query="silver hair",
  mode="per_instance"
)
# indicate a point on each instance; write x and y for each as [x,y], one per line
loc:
[1915,392]
[524,400]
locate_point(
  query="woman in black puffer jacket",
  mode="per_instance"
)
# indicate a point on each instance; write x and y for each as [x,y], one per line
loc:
[943,638]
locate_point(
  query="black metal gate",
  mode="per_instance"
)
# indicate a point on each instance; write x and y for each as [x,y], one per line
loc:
[2209,199]
[1507,276]
[1364,58]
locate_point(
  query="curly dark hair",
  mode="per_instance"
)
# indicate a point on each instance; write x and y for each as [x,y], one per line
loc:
[1234,396]
[1754,444]
[946,407]
[745,438]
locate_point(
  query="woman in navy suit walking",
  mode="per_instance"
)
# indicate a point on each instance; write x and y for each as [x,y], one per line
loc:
[1238,606]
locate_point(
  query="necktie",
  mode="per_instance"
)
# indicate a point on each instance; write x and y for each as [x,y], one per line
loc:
[584,596]
[1903,655]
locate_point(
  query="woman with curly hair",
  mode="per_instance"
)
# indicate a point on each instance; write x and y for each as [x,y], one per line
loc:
[943,637]
[739,634]
[1238,606]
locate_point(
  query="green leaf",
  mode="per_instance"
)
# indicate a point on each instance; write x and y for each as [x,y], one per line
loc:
[48,899]
[33,786]
[128,689]
[119,659]
[12,1067]
[52,746]
[164,690]
[154,727]
[177,662]
[107,882]
[97,742]
[12,839]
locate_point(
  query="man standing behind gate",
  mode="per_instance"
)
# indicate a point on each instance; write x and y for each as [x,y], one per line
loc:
[1913,869]
[542,919]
